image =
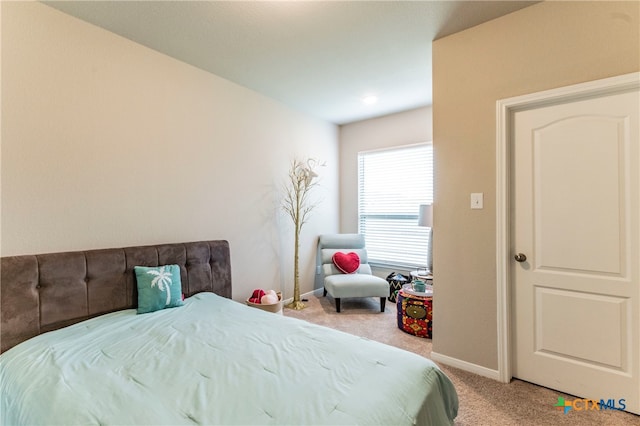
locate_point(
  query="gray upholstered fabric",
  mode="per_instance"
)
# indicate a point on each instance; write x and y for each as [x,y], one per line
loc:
[362,283]
[356,285]
[40,293]
[330,269]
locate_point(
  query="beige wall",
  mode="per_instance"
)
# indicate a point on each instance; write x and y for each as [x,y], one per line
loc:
[106,143]
[548,45]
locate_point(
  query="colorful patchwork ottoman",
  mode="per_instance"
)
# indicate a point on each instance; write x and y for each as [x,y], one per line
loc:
[415,313]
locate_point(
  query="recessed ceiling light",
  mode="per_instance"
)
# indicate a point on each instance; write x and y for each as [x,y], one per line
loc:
[370,99]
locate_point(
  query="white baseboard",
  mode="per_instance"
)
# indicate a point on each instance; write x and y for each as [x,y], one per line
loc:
[466,366]
[302,296]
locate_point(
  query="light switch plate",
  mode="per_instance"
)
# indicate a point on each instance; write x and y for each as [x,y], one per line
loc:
[477,200]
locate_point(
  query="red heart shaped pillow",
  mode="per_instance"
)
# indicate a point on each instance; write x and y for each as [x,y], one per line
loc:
[347,263]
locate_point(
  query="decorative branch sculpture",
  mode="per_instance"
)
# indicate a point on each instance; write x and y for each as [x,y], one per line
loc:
[297,205]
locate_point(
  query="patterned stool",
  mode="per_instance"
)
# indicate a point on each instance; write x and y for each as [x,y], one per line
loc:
[415,312]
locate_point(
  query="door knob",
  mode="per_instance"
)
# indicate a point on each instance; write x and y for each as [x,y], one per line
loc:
[520,257]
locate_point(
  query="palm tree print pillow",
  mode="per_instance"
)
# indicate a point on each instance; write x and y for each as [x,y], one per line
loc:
[158,287]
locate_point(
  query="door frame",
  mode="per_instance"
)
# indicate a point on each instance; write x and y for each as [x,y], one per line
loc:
[505,109]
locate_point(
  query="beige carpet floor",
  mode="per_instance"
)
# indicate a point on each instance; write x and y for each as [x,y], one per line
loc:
[483,401]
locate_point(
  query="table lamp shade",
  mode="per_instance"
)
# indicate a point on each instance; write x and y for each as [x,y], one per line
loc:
[425,217]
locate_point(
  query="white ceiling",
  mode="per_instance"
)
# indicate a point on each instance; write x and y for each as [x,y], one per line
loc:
[319,57]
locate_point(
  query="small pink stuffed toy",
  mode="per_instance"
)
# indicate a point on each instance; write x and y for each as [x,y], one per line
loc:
[270,297]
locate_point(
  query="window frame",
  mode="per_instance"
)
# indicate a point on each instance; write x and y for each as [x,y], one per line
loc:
[418,237]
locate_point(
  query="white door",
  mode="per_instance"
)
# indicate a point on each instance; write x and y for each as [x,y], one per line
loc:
[575,216]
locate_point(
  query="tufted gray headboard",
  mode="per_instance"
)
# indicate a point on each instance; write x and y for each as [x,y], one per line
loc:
[44,292]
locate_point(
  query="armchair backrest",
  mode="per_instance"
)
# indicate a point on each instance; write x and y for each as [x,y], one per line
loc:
[329,244]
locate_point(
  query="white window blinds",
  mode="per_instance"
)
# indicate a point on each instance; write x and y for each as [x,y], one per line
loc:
[391,186]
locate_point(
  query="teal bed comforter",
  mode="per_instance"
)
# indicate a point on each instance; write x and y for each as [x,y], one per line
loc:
[218,362]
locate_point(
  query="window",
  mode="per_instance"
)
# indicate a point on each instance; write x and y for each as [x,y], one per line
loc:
[391,186]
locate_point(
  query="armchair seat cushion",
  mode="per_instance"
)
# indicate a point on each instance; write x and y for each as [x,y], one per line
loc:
[356,285]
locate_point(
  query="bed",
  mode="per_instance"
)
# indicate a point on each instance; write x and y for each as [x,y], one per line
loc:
[75,351]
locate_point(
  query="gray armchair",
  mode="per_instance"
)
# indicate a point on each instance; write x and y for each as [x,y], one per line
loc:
[361,283]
